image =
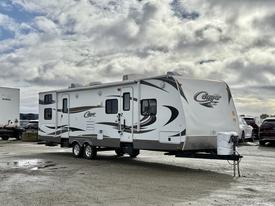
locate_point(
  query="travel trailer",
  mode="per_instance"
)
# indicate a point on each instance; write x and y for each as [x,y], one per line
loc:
[9,113]
[164,113]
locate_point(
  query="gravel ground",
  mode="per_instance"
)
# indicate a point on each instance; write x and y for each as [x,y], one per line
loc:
[32,174]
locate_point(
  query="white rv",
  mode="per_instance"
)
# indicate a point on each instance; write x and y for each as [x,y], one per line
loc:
[9,113]
[162,113]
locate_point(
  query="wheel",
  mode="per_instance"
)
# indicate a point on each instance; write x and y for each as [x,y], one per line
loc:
[5,138]
[119,152]
[77,150]
[134,153]
[90,151]
[261,143]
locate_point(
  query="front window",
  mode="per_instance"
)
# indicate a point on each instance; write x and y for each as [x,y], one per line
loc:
[148,107]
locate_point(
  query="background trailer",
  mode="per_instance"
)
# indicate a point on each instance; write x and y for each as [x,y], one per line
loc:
[9,113]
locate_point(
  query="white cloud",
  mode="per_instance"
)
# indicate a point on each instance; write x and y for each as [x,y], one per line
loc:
[86,40]
[8,23]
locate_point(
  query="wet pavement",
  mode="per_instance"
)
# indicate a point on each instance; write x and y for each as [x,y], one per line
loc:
[32,174]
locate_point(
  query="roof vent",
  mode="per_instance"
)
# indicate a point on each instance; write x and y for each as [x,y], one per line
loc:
[75,85]
[132,76]
[94,83]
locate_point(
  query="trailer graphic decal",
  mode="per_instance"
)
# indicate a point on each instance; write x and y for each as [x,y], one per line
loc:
[151,85]
[74,110]
[151,120]
[147,120]
[174,83]
[174,113]
[127,129]
[206,99]
[40,130]
[63,129]
[229,93]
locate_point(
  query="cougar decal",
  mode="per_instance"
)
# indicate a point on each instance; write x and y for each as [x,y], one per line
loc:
[207,100]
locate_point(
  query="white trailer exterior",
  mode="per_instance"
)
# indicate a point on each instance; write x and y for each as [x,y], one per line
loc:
[162,113]
[9,112]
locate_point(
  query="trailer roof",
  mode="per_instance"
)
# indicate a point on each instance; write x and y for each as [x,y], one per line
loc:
[9,88]
[118,83]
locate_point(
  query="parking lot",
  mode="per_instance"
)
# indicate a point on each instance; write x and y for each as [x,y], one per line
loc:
[33,174]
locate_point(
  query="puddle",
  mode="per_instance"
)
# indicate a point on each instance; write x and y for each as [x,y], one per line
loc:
[34,164]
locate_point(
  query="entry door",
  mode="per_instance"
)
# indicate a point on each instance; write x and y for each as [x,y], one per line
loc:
[126,114]
[64,120]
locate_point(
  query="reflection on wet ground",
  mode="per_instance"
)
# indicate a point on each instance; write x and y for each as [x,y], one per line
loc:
[33,164]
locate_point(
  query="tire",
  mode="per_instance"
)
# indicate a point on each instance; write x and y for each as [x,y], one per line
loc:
[90,152]
[134,153]
[119,152]
[262,143]
[5,138]
[77,150]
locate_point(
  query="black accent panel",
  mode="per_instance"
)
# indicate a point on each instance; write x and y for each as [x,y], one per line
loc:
[229,93]
[151,85]
[156,145]
[92,140]
[182,133]
[47,138]
[174,113]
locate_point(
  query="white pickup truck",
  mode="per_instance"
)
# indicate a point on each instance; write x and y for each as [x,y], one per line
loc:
[9,113]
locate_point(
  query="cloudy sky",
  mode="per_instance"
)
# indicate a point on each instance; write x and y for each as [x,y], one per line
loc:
[49,44]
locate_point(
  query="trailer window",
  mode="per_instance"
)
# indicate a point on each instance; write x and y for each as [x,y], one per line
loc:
[111,106]
[48,98]
[126,101]
[65,105]
[48,113]
[149,107]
